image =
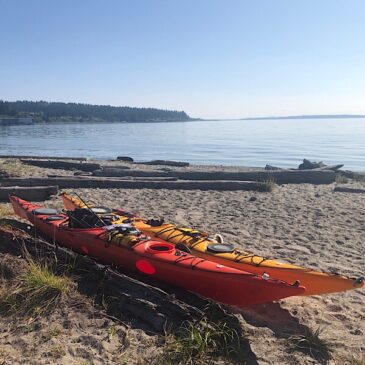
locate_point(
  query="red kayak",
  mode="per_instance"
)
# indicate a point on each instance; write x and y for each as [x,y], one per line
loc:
[124,246]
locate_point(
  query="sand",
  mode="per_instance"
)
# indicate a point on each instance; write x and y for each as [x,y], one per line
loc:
[302,224]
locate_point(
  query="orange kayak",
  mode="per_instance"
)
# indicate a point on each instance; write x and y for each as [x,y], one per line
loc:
[125,247]
[202,245]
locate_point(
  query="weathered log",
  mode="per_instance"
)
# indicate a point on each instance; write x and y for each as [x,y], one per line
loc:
[279,176]
[125,158]
[80,182]
[308,165]
[116,172]
[352,174]
[34,193]
[271,168]
[4,174]
[342,189]
[64,165]
[347,173]
[125,178]
[77,173]
[331,167]
[44,157]
[122,167]
[165,163]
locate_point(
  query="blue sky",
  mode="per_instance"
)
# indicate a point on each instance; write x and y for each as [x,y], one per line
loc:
[231,58]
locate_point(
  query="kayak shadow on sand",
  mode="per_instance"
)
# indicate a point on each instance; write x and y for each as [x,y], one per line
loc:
[284,325]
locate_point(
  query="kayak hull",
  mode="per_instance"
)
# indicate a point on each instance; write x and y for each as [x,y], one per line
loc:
[160,260]
[315,282]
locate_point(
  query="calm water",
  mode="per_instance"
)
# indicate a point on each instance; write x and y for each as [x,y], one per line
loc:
[248,143]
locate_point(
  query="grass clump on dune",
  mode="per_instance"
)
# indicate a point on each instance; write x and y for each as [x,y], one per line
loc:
[43,285]
[312,344]
[197,343]
[267,185]
[34,291]
[5,210]
[341,179]
[12,166]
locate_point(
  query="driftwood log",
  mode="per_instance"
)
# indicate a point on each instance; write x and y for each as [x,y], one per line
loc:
[271,168]
[343,189]
[125,158]
[308,165]
[34,193]
[64,165]
[122,167]
[86,175]
[107,183]
[331,167]
[277,176]
[3,174]
[141,304]
[352,174]
[44,157]
[164,163]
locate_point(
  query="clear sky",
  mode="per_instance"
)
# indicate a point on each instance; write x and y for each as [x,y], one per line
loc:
[210,58]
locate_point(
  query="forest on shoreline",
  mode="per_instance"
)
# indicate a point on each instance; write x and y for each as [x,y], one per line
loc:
[43,111]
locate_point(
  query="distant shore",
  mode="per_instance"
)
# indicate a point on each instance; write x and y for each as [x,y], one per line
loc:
[309,116]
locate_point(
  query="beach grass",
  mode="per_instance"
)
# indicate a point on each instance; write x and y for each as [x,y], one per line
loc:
[34,291]
[12,166]
[340,179]
[15,168]
[5,210]
[268,185]
[197,343]
[312,344]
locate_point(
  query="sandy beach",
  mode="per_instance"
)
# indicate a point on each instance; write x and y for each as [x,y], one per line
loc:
[304,224]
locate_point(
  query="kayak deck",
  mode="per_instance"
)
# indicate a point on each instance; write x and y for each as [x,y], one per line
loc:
[316,282]
[121,245]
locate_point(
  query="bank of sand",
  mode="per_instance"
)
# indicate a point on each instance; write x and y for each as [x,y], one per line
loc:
[302,224]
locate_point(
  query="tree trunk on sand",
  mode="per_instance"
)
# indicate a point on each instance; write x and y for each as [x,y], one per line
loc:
[34,193]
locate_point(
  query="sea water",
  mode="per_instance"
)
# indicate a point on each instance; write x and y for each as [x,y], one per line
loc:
[282,143]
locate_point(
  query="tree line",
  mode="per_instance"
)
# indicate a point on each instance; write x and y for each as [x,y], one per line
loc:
[46,111]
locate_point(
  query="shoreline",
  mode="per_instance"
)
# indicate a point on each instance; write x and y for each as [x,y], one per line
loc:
[110,161]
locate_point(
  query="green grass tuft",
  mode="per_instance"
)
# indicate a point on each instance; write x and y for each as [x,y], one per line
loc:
[197,343]
[311,344]
[40,278]
[35,291]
